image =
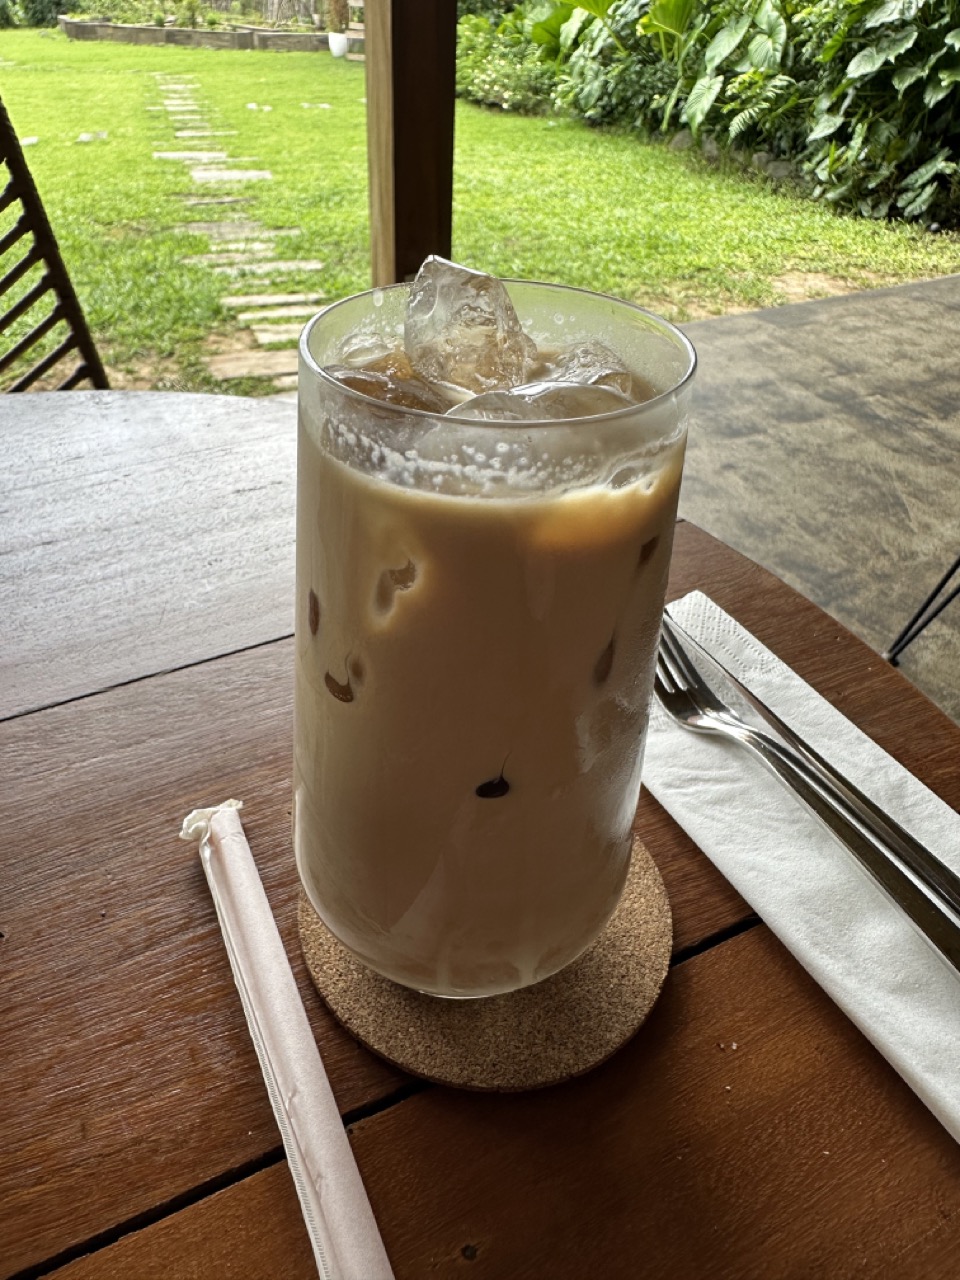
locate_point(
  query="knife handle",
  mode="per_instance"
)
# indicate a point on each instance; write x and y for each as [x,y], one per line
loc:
[935,921]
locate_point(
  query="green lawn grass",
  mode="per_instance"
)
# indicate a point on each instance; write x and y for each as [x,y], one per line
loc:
[546,198]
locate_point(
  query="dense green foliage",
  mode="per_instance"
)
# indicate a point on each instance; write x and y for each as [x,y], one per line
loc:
[862,95]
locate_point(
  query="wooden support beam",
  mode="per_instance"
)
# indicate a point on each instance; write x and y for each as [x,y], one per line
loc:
[410,48]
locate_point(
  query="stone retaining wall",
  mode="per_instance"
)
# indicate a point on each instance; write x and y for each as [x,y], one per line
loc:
[243,38]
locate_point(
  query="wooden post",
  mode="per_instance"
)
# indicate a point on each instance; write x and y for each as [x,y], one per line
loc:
[410,48]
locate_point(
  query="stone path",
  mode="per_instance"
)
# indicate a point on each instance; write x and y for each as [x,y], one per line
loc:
[240,248]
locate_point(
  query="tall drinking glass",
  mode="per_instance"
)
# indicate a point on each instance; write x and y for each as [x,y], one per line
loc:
[477,615]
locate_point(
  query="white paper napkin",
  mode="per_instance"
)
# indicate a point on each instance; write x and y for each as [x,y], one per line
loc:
[343,1232]
[806,887]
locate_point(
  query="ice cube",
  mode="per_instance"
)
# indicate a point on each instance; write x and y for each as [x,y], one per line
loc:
[393,380]
[591,363]
[538,401]
[461,328]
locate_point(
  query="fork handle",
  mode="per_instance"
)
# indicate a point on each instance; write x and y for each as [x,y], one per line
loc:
[931,916]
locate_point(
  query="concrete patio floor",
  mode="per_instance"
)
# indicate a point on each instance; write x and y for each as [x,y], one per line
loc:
[826,446]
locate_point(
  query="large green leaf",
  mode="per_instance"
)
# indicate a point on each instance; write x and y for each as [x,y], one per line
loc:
[906,76]
[724,43]
[912,205]
[546,32]
[571,29]
[599,8]
[939,164]
[763,53]
[826,125]
[892,11]
[934,91]
[872,58]
[672,17]
[701,98]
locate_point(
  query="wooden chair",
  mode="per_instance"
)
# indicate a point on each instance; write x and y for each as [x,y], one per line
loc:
[44,278]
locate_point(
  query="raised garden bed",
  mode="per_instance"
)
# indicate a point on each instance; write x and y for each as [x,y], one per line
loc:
[214,38]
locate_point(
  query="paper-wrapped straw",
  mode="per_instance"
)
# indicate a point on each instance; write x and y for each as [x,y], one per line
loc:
[343,1232]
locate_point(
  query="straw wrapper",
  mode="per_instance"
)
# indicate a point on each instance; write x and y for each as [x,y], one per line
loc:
[343,1232]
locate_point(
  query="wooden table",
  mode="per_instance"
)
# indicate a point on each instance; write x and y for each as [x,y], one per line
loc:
[145,607]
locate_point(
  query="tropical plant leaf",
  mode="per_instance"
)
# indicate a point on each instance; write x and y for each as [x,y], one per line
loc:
[763,53]
[724,43]
[826,125]
[743,120]
[833,45]
[937,164]
[572,28]
[672,17]
[949,75]
[701,98]
[952,38]
[916,204]
[934,91]
[905,76]
[546,31]
[871,59]
[597,8]
[890,11]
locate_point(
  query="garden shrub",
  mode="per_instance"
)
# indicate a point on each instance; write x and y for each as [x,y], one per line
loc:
[862,95]
[41,13]
[502,66]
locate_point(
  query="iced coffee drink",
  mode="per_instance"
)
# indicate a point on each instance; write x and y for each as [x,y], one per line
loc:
[488,478]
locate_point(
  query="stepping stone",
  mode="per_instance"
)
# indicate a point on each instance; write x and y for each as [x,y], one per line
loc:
[224,230]
[267,334]
[266,268]
[247,246]
[204,133]
[268,299]
[277,313]
[198,157]
[228,259]
[253,364]
[216,199]
[230,175]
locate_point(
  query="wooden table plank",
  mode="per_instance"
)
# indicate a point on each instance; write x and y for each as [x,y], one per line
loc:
[129,535]
[747,1131]
[128,1074]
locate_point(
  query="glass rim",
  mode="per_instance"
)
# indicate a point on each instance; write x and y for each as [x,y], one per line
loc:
[613,415]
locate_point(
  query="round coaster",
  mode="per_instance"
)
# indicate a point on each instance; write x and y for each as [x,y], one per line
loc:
[541,1035]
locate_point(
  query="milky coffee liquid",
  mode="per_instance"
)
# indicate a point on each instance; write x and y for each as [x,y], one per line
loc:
[473,675]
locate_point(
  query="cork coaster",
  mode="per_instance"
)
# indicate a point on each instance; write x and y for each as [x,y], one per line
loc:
[552,1031]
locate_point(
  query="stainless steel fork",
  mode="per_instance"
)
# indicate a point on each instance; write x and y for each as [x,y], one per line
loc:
[929,893]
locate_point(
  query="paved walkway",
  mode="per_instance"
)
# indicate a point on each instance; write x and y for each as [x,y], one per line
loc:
[826,446]
[256,264]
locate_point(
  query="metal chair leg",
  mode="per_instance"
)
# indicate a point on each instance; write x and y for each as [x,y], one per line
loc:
[929,610]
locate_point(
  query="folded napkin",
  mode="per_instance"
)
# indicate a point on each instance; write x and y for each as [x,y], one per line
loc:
[340,1223]
[865,953]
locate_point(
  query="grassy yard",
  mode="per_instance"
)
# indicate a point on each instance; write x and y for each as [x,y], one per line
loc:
[543,198]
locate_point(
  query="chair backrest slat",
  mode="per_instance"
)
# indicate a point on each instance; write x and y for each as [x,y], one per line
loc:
[26,302]
[31,339]
[46,364]
[31,219]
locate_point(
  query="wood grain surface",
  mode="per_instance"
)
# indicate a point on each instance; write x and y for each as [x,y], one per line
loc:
[132,542]
[747,1131]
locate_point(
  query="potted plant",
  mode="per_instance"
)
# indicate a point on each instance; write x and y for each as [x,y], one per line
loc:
[338,19]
